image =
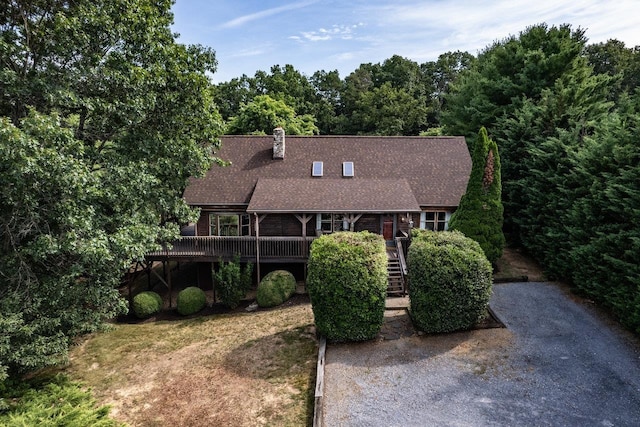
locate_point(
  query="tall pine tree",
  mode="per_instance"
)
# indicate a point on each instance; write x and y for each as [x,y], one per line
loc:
[479,215]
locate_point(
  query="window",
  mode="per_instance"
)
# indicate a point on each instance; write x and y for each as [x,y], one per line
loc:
[229,225]
[317,169]
[245,225]
[330,223]
[435,220]
[347,169]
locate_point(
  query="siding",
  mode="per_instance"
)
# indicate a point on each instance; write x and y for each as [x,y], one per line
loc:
[280,225]
[369,223]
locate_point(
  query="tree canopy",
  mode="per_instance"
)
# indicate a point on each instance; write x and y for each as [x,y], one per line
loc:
[104,118]
[395,97]
[263,114]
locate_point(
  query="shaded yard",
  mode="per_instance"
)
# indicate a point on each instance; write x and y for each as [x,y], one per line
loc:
[228,369]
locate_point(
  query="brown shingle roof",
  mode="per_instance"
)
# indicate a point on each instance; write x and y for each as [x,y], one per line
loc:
[332,195]
[435,168]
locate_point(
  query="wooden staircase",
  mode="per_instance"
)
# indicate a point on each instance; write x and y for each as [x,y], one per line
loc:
[396,272]
[395,282]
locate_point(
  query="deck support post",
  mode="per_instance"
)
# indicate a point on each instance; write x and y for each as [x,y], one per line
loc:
[170,287]
[257,248]
[130,296]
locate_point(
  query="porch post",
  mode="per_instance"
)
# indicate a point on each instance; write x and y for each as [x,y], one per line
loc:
[304,219]
[352,218]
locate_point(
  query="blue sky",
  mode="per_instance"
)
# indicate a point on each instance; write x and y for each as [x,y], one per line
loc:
[327,35]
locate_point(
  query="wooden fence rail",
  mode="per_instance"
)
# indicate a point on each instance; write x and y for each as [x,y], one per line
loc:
[227,247]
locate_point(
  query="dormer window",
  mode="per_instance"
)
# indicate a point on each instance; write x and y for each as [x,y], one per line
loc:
[347,169]
[317,169]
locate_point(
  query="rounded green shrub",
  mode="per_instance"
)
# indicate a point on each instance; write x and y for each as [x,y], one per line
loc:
[275,288]
[146,304]
[191,300]
[347,284]
[449,281]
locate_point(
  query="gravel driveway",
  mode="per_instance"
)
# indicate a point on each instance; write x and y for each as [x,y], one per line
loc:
[555,364]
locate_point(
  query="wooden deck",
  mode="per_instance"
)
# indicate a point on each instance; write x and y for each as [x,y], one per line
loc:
[248,248]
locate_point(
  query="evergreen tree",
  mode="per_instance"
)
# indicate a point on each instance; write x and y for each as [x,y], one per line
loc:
[602,223]
[479,215]
[508,72]
[538,98]
[543,136]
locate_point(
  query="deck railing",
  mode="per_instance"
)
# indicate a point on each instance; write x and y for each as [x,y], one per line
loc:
[226,247]
[402,244]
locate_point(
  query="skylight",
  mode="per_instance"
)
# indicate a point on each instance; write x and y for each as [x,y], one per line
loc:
[347,169]
[317,169]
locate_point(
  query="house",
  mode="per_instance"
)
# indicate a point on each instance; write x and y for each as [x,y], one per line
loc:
[280,192]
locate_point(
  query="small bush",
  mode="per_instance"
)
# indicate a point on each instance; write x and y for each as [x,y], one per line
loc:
[146,304]
[449,281]
[275,288]
[347,284]
[191,300]
[232,282]
[57,403]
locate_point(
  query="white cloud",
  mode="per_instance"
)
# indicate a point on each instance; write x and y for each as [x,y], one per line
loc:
[421,30]
[342,32]
[241,20]
[313,36]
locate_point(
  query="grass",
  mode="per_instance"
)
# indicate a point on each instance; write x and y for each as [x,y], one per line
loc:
[233,369]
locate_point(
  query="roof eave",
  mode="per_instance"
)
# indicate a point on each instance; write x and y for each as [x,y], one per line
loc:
[373,211]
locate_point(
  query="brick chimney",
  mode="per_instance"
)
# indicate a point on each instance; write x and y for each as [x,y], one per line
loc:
[278,143]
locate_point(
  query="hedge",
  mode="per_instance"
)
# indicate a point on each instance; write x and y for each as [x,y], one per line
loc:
[347,285]
[449,281]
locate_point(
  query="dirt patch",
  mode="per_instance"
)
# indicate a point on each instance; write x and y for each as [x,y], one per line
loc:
[516,265]
[232,369]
